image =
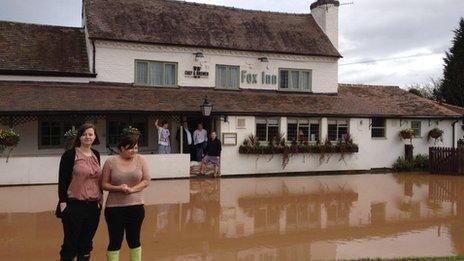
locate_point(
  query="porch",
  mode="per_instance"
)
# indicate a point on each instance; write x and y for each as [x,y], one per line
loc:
[36,158]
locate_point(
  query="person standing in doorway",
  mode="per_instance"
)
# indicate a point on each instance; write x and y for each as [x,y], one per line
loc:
[80,195]
[164,144]
[200,138]
[187,140]
[212,154]
[125,176]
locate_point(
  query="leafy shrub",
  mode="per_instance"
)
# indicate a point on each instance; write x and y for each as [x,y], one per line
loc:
[419,163]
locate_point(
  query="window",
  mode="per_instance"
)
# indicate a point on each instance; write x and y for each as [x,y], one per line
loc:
[51,133]
[115,127]
[416,126]
[303,130]
[295,80]
[227,76]
[267,129]
[155,73]
[337,129]
[378,128]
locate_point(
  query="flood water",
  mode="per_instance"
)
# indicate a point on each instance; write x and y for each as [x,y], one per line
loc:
[282,218]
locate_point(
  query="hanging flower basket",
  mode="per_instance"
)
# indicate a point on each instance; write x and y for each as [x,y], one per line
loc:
[8,140]
[130,131]
[407,134]
[436,134]
[69,136]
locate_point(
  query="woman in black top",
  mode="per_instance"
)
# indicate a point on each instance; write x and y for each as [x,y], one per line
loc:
[80,195]
[213,154]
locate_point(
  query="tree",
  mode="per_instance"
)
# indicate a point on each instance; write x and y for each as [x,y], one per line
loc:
[428,90]
[452,86]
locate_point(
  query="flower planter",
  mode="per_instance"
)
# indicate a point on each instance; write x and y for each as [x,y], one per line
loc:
[435,134]
[10,142]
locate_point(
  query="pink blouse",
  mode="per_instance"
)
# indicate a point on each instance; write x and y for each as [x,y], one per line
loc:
[86,178]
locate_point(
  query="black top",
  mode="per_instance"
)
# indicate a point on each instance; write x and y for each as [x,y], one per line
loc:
[213,148]
[65,172]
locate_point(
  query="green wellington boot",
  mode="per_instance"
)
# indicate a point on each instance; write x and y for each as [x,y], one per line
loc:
[112,255]
[135,254]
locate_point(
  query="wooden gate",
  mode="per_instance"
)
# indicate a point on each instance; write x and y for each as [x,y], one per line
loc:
[446,160]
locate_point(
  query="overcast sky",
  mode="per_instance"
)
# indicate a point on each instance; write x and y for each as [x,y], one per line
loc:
[394,42]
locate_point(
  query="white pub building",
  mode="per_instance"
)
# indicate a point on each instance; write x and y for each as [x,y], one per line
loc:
[265,74]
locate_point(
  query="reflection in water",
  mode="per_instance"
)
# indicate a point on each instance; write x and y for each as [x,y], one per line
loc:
[297,218]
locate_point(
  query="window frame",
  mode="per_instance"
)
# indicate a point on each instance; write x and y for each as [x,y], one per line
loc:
[420,128]
[127,121]
[266,119]
[63,126]
[163,73]
[338,128]
[300,80]
[311,121]
[376,127]
[228,77]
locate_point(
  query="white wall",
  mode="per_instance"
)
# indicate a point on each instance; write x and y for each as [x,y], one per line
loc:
[43,170]
[115,63]
[373,153]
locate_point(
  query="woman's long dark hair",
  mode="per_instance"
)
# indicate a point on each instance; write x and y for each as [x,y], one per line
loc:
[80,132]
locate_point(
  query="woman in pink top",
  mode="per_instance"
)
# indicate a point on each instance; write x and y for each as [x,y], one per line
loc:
[125,176]
[80,195]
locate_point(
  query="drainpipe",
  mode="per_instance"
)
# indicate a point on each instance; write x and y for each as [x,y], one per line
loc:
[454,132]
[94,53]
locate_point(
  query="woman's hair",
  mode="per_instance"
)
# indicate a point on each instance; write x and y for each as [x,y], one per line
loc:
[164,122]
[128,142]
[80,132]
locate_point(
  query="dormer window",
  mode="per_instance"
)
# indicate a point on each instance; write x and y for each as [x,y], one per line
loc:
[155,73]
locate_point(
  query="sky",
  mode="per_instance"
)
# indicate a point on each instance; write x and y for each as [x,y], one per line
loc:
[388,42]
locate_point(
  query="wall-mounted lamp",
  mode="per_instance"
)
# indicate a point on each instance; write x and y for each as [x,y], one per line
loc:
[263,59]
[198,55]
[206,107]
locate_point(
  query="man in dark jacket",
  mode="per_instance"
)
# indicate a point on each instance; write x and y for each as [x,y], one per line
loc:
[213,154]
[187,140]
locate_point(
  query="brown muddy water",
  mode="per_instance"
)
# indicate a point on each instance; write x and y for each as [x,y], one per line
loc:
[282,218]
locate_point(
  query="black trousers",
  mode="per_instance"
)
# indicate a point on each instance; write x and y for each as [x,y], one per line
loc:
[80,222]
[124,219]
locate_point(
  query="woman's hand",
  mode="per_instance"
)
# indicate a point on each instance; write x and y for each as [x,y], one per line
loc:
[126,189]
[123,188]
[63,206]
[129,190]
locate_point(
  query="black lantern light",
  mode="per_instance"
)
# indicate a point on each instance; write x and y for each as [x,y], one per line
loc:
[206,107]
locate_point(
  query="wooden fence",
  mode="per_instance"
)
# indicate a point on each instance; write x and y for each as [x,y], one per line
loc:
[446,160]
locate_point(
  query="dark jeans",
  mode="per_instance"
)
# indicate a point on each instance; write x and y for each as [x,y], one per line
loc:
[199,151]
[80,222]
[128,219]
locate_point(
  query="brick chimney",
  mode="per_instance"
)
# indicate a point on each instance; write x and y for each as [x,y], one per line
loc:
[325,12]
